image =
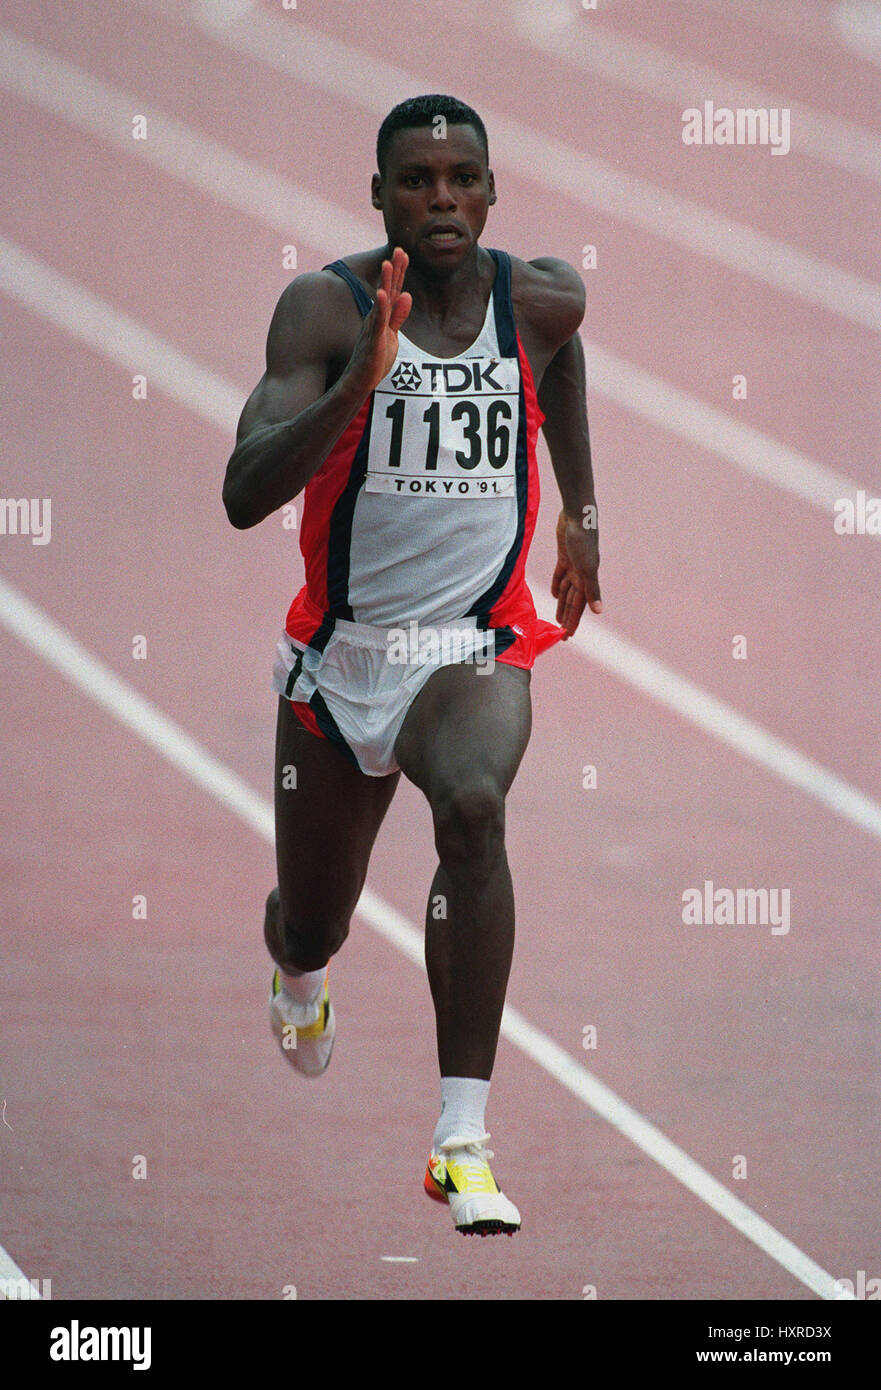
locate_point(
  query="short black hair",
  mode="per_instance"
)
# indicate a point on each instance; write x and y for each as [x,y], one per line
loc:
[421,111]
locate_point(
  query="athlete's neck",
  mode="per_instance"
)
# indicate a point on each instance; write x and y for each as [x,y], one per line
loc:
[437,296]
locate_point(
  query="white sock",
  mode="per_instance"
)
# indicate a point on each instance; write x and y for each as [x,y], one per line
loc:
[463,1103]
[305,988]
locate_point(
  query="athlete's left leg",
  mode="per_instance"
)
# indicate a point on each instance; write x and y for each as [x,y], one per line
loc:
[461,744]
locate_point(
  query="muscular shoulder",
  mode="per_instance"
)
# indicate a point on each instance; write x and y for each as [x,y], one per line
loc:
[316,319]
[549,295]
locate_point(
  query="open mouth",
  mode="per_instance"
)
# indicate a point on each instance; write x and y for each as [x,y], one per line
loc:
[444,236]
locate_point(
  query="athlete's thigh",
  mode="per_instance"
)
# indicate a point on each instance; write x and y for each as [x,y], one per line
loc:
[467,725]
[327,815]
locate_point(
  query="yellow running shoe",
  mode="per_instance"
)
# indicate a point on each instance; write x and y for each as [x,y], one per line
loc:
[458,1172]
[305,1032]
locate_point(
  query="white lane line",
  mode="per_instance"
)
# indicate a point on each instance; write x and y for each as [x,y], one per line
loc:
[11,1274]
[48,640]
[68,91]
[858,22]
[725,723]
[369,83]
[211,168]
[679,413]
[806,21]
[63,302]
[9,1270]
[116,336]
[576,39]
[222,11]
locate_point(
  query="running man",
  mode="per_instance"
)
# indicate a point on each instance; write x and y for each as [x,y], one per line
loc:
[410,647]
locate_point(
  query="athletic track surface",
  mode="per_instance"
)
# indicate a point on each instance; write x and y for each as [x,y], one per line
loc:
[718,1137]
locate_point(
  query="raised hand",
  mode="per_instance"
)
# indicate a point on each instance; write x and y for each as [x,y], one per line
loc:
[377,345]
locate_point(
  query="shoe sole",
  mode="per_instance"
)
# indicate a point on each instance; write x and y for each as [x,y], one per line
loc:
[488,1228]
[483,1226]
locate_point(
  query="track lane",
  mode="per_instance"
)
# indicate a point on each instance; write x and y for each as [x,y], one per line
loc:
[648,1275]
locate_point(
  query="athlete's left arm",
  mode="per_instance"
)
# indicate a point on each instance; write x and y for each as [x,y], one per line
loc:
[562,396]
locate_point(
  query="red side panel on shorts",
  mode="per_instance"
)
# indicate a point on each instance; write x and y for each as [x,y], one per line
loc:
[306,716]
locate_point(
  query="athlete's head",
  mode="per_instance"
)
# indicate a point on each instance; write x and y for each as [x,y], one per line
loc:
[434,186]
[439,112]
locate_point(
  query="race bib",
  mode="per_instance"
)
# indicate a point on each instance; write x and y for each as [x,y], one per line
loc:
[446,429]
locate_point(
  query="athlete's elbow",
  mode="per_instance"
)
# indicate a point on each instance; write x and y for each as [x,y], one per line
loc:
[239,514]
[239,520]
[242,518]
[235,500]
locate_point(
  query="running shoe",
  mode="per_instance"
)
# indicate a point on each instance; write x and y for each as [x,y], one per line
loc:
[458,1172]
[305,1032]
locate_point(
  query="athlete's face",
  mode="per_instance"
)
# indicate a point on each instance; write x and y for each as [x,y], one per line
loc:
[435,195]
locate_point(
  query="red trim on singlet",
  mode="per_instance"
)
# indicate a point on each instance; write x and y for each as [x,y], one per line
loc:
[304,619]
[322,492]
[514,607]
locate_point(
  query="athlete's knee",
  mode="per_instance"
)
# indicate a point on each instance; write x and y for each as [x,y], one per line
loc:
[309,946]
[469,824]
[301,941]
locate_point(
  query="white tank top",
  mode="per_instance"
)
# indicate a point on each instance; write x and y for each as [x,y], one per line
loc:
[437,513]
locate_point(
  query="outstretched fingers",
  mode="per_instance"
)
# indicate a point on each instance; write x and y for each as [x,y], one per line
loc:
[382,312]
[570,605]
[400,302]
[402,306]
[400,261]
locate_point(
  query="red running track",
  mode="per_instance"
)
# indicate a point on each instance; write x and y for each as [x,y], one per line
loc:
[125,1037]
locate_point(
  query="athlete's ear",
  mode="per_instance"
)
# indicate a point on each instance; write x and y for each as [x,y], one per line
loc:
[376,191]
[492,188]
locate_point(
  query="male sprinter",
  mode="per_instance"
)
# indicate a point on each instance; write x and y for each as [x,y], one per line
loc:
[417,453]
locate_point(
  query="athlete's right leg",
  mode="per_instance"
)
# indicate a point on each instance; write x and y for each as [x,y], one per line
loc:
[327,815]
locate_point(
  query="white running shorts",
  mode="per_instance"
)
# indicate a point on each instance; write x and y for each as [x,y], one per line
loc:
[360,687]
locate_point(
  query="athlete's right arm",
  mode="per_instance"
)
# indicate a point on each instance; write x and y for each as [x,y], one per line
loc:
[291,422]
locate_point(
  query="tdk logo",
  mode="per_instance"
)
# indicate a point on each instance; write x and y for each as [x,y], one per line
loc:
[455,378]
[479,375]
[406,378]
[462,376]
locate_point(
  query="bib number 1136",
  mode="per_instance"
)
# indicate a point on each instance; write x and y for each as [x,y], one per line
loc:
[443,447]
[498,433]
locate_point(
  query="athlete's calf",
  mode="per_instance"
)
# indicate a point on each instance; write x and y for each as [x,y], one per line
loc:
[326,821]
